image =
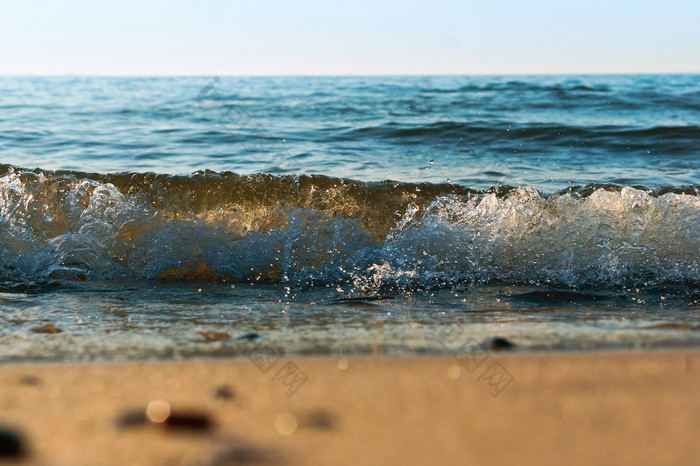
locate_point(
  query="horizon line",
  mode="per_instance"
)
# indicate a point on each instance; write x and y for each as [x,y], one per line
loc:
[322,75]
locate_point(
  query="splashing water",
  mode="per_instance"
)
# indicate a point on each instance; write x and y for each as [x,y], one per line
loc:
[317,230]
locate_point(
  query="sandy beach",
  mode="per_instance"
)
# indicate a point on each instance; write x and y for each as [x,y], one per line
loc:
[599,408]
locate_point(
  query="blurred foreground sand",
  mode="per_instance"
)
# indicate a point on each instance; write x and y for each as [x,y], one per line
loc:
[599,408]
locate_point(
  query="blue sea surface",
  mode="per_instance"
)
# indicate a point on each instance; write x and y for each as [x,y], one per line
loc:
[548,131]
[336,215]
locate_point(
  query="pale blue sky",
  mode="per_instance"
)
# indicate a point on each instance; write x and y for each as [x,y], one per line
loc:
[217,37]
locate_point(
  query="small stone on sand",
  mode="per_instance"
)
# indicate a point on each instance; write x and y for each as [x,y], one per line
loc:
[250,337]
[209,336]
[10,444]
[48,328]
[30,380]
[135,418]
[500,343]
[319,419]
[225,393]
[159,413]
[191,420]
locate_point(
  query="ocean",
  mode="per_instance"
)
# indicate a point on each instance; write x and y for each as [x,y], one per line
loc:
[169,218]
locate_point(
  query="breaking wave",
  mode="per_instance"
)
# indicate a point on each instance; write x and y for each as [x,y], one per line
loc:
[316,230]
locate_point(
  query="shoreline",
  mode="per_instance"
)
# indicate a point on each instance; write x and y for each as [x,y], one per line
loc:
[600,407]
[613,350]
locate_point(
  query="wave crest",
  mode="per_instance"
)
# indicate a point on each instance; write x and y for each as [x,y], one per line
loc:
[314,230]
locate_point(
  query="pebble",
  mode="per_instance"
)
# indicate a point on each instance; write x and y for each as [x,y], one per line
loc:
[319,419]
[246,454]
[500,343]
[132,419]
[30,380]
[212,336]
[225,393]
[48,328]
[175,420]
[250,337]
[10,444]
[191,420]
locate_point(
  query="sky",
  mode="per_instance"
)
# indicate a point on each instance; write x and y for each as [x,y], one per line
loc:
[378,37]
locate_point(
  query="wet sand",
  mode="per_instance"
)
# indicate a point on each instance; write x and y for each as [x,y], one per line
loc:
[596,408]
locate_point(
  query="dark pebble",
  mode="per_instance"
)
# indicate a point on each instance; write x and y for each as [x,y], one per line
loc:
[250,337]
[319,419]
[30,380]
[191,420]
[225,393]
[132,419]
[500,343]
[11,445]
[48,328]
[209,336]
[244,454]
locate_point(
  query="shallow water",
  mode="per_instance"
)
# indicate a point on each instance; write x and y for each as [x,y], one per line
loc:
[125,320]
[396,215]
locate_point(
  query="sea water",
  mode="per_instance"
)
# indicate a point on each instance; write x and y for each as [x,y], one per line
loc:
[347,215]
